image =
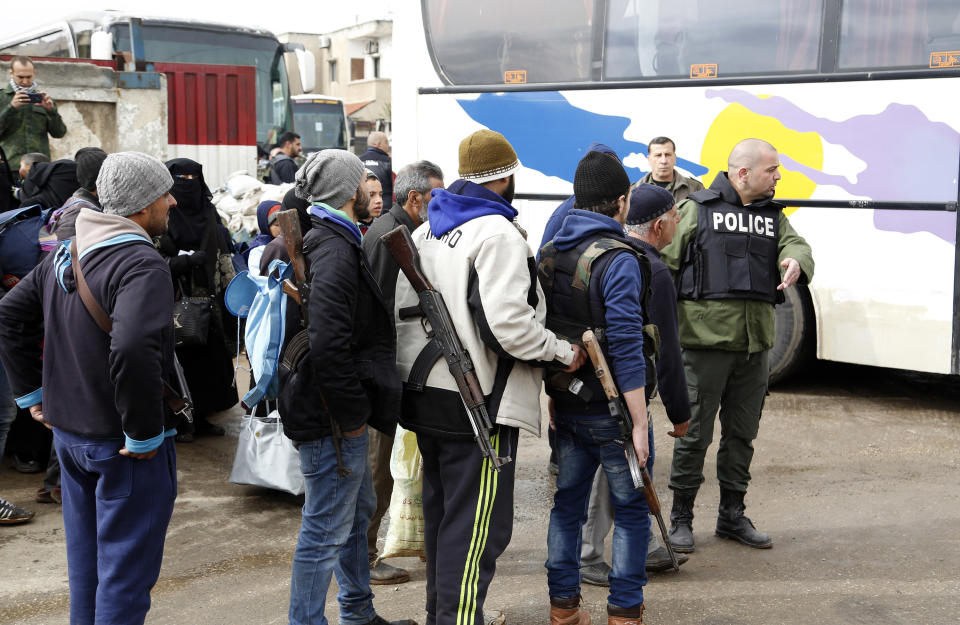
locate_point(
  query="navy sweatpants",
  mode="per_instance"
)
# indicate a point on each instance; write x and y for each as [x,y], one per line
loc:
[115,514]
[468,521]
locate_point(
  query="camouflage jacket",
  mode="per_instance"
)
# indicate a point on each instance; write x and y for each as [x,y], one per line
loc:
[25,129]
[680,187]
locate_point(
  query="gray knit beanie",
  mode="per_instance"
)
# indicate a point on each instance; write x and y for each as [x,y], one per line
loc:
[131,181]
[329,176]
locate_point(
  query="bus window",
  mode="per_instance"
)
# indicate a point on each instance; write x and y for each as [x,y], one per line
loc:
[498,41]
[320,123]
[897,33]
[668,38]
[54,44]
[82,32]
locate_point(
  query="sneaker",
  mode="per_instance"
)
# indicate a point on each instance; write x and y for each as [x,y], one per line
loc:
[596,574]
[49,496]
[186,437]
[382,574]
[379,620]
[11,514]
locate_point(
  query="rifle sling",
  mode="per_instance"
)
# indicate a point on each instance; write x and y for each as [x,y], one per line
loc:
[173,400]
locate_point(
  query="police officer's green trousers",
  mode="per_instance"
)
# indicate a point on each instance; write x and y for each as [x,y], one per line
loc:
[736,383]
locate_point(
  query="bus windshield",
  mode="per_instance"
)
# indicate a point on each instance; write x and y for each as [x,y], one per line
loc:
[182,44]
[320,123]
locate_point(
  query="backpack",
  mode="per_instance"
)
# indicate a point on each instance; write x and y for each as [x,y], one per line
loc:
[261,301]
[20,242]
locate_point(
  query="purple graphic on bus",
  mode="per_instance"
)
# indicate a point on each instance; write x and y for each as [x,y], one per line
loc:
[909,158]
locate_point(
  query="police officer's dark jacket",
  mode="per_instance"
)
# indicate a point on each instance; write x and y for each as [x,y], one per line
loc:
[734,253]
[349,373]
[572,270]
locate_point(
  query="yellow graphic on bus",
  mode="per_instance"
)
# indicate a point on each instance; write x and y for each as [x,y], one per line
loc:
[736,122]
[703,70]
[941,60]
[515,76]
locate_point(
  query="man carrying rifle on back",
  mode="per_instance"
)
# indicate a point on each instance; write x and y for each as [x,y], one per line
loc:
[333,389]
[476,257]
[596,278]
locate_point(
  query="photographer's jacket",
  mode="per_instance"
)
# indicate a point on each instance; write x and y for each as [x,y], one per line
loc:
[92,384]
[480,262]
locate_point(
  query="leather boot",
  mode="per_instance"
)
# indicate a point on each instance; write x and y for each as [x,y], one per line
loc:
[624,616]
[732,524]
[681,521]
[568,612]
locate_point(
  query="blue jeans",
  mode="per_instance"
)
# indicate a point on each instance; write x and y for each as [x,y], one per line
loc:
[333,533]
[8,410]
[115,515]
[583,443]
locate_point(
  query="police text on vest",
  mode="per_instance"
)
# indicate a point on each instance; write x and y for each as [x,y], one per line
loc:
[743,222]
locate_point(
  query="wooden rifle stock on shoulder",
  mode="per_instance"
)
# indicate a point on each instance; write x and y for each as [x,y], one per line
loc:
[618,410]
[297,288]
[443,337]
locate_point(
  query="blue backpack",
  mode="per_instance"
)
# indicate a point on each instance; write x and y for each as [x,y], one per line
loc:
[20,240]
[262,302]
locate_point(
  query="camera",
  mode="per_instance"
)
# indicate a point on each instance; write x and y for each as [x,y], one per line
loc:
[35,98]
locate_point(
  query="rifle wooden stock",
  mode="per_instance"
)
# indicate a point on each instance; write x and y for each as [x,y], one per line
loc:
[592,345]
[289,223]
[400,245]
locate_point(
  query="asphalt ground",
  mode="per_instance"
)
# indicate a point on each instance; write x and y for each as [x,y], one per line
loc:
[854,477]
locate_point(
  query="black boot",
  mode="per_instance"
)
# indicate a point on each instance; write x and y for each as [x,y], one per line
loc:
[732,524]
[681,521]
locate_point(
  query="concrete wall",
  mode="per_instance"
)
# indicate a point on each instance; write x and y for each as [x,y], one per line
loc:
[97,113]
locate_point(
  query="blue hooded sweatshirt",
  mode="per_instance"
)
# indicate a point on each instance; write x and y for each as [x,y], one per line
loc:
[553,224]
[463,201]
[621,288]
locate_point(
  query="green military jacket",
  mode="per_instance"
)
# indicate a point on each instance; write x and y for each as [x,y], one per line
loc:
[680,187]
[25,130]
[738,325]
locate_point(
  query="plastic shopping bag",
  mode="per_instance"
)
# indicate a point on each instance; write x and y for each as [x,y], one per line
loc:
[405,534]
[265,457]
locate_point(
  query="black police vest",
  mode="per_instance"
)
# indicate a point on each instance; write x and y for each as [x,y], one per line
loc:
[734,253]
[572,283]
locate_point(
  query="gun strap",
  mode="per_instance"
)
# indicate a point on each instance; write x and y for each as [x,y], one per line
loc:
[428,356]
[173,400]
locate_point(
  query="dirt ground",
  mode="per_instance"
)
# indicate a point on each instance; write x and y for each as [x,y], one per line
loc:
[855,478]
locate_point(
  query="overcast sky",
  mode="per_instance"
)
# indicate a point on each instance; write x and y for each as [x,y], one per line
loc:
[315,16]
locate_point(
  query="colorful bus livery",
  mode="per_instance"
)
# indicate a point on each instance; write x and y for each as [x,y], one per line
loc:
[869,137]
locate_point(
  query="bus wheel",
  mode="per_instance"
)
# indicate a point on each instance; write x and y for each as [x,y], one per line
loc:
[795,344]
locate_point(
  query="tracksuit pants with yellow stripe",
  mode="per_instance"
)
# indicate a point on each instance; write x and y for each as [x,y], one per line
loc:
[468,521]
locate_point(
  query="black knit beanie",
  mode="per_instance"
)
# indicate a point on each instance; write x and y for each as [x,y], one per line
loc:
[600,178]
[89,161]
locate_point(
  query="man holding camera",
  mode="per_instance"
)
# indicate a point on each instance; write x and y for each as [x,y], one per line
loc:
[27,115]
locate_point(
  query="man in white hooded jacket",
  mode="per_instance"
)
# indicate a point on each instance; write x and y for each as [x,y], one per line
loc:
[478,259]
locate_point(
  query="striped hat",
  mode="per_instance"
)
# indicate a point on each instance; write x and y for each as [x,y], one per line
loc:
[486,155]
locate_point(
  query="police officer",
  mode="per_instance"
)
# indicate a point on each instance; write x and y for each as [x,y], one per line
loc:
[662,157]
[730,244]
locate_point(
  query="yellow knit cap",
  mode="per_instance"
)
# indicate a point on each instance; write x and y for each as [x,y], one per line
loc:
[486,155]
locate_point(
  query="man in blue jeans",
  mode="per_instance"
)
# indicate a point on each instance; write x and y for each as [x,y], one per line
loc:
[344,381]
[593,276]
[98,382]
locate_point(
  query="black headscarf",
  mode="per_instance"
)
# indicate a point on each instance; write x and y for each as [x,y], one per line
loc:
[189,218]
[50,184]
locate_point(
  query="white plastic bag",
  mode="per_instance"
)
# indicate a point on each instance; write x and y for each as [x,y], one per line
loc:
[265,457]
[405,534]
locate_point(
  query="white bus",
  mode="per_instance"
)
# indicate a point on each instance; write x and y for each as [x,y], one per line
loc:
[321,122]
[858,96]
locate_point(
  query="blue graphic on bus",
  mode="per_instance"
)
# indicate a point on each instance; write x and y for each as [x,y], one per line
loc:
[550,134]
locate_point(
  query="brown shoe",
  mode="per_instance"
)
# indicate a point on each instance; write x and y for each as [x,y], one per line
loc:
[382,574]
[49,496]
[568,612]
[625,616]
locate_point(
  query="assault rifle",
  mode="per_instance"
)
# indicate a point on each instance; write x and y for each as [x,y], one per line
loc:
[618,410]
[443,335]
[297,288]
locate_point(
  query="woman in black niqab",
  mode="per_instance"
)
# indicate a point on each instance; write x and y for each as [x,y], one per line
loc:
[195,228]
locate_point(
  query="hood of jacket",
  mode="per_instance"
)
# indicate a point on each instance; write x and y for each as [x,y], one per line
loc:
[463,201]
[581,224]
[95,230]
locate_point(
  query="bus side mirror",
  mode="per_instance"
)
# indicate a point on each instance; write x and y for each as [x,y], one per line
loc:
[101,45]
[307,64]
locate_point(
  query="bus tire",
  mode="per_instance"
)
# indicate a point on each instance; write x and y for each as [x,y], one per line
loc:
[795,342]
